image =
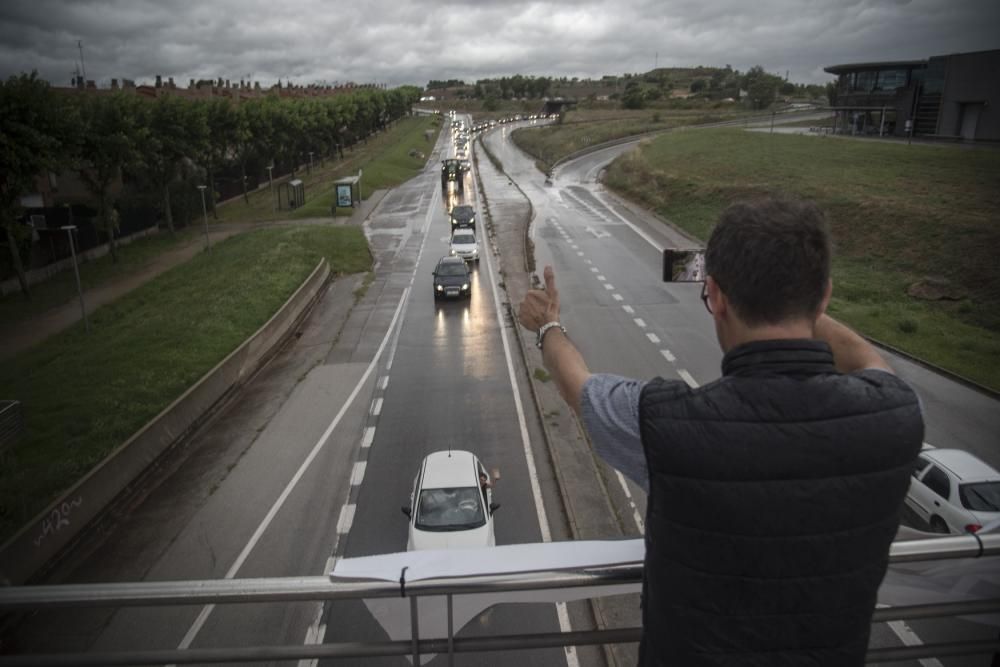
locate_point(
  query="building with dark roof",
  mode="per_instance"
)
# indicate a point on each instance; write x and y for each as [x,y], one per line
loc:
[953,96]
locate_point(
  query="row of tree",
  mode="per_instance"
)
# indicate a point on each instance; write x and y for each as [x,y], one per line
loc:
[119,136]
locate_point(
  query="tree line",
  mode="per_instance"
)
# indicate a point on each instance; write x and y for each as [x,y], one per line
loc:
[153,144]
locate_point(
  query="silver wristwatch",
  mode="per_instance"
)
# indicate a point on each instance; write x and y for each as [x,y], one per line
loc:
[544,329]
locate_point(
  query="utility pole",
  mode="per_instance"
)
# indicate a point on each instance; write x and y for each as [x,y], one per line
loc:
[656,60]
[79,45]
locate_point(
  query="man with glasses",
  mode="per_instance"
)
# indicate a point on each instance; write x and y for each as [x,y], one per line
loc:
[774,492]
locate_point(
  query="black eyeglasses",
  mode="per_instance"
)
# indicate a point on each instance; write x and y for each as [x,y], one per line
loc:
[704,297]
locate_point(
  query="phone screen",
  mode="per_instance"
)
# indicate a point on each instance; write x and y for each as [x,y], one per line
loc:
[683,266]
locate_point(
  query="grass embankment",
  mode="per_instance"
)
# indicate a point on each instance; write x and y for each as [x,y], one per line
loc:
[581,129]
[85,394]
[898,214]
[384,160]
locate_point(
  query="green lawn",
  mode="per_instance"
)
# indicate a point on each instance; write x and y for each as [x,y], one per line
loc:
[85,394]
[582,129]
[898,213]
[384,161]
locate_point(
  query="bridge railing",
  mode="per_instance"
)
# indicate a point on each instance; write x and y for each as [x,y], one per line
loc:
[374,579]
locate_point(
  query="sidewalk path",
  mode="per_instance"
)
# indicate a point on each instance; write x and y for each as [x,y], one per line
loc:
[36,329]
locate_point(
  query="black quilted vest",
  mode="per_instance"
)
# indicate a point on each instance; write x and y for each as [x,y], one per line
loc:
[774,494]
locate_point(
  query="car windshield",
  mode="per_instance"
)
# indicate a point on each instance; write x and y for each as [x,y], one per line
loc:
[451,270]
[463,239]
[462,212]
[458,508]
[980,497]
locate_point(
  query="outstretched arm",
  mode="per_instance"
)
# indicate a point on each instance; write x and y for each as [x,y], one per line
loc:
[561,358]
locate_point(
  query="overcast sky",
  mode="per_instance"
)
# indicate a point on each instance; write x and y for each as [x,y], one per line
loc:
[413,41]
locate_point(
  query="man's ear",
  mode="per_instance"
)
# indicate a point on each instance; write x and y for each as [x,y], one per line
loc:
[716,298]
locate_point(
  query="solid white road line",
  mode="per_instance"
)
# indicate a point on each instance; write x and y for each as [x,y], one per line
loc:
[536,489]
[631,501]
[687,378]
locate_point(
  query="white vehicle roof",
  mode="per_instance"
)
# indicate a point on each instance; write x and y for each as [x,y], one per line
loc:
[450,469]
[962,464]
[463,231]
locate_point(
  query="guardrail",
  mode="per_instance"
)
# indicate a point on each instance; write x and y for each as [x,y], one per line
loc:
[558,585]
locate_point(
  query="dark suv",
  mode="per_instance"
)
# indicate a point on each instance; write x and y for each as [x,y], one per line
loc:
[463,216]
[452,278]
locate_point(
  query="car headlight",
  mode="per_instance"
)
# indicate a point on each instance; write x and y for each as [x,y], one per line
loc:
[453,251]
[465,286]
[439,288]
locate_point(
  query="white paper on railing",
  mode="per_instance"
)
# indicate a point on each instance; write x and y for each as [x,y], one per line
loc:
[507,559]
[393,614]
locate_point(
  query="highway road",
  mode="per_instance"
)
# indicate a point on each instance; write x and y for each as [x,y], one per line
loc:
[607,262]
[313,459]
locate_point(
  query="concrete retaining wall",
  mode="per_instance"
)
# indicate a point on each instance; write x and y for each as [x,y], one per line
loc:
[42,538]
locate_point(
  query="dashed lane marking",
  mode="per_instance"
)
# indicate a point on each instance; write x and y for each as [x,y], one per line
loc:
[358,473]
[602,278]
[368,437]
[345,519]
[608,286]
[639,322]
[653,338]
[377,406]
[617,297]
[687,378]
[668,356]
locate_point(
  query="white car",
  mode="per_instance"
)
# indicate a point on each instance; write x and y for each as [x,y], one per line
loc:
[953,491]
[465,245]
[450,507]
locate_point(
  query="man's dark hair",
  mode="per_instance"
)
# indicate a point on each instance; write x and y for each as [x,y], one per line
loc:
[771,258]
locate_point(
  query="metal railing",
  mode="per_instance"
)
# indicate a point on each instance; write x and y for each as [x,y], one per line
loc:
[294,589]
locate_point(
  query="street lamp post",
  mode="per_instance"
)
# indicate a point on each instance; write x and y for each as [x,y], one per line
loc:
[270,185]
[76,270]
[204,213]
[310,161]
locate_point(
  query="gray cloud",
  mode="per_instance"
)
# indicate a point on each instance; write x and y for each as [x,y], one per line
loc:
[412,41]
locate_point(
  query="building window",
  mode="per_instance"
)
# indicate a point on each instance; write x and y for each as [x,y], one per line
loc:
[891,79]
[864,82]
